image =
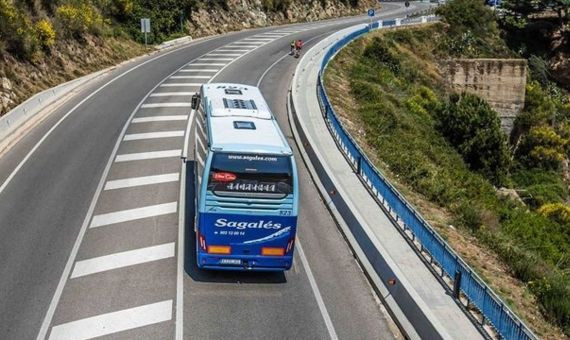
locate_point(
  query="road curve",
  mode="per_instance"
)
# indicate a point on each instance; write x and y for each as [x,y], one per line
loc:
[89,222]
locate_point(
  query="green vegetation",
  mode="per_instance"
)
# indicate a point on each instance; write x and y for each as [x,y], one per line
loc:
[31,28]
[449,147]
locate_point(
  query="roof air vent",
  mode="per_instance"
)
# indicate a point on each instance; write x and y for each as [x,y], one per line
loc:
[239,104]
[244,125]
[233,91]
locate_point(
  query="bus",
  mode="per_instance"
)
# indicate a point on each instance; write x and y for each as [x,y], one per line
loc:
[246,185]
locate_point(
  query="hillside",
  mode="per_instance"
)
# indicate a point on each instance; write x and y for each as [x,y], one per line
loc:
[46,42]
[500,201]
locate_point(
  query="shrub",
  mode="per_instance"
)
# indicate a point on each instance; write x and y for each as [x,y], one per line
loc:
[45,33]
[379,51]
[542,147]
[554,293]
[77,20]
[464,16]
[473,128]
[16,30]
[559,212]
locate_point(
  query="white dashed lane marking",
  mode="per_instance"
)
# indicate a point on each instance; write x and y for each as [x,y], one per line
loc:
[122,259]
[159,119]
[113,322]
[154,135]
[158,105]
[216,59]
[140,181]
[133,214]
[139,156]
[168,94]
[204,64]
[199,70]
[196,85]
[223,54]
[232,50]
[190,77]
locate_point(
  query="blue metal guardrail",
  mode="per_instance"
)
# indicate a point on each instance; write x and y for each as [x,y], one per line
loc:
[493,310]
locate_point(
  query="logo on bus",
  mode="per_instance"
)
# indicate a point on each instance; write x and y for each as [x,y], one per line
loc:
[223,222]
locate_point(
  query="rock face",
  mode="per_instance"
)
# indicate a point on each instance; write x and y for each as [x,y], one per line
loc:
[244,14]
[501,82]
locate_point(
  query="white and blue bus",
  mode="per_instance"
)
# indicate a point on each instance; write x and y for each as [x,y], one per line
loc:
[246,182]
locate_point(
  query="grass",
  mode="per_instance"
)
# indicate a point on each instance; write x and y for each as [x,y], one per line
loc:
[385,88]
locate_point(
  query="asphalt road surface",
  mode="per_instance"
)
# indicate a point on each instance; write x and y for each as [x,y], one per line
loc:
[90,208]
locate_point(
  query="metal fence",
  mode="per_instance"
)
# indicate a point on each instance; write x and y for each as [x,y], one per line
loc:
[494,311]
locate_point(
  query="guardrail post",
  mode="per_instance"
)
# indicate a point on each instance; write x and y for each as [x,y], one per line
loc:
[456,284]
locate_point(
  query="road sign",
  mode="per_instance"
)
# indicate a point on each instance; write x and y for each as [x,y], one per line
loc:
[145,25]
[371,12]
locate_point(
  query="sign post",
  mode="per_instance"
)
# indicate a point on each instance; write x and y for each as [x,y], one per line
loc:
[371,13]
[145,28]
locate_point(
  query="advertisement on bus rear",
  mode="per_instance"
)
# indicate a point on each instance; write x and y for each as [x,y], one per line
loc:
[236,230]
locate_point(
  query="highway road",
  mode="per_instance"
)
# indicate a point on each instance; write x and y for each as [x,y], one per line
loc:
[90,209]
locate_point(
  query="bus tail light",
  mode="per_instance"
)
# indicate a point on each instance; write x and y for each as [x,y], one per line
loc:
[202,241]
[290,244]
[226,250]
[272,251]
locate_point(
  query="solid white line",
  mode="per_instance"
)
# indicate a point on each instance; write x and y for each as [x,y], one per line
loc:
[168,94]
[139,181]
[199,70]
[156,105]
[181,233]
[317,293]
[283,57]
[122,259]
[190,77]
[205,64]
[114,322]
[181,85]
[73,254]
[139,156]
[154,135]
[133,214]
[159,119]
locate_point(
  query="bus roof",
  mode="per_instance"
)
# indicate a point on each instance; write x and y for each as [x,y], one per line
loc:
[247,127]
[226,99]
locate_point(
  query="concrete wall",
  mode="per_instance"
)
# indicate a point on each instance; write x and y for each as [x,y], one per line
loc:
[501,82]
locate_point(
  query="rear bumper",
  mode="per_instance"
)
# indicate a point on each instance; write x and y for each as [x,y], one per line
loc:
[247,263]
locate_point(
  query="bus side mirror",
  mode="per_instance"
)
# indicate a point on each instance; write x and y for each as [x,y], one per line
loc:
[194,102]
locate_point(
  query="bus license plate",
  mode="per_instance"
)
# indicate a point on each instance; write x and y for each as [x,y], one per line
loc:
[231,261]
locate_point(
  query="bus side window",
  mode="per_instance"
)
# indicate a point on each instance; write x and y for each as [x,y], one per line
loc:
[200,149]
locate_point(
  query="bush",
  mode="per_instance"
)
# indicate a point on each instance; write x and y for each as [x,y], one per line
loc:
[16,30]
[77,20]
[463,16]
[45,33]
[542,147]
[559,212]
[473,128]
[554,293]
[379,51]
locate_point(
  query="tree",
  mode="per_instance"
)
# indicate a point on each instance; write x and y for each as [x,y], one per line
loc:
[474,130]
[464,16]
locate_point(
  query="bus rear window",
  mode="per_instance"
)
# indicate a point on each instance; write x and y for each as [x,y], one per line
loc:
[248,175]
